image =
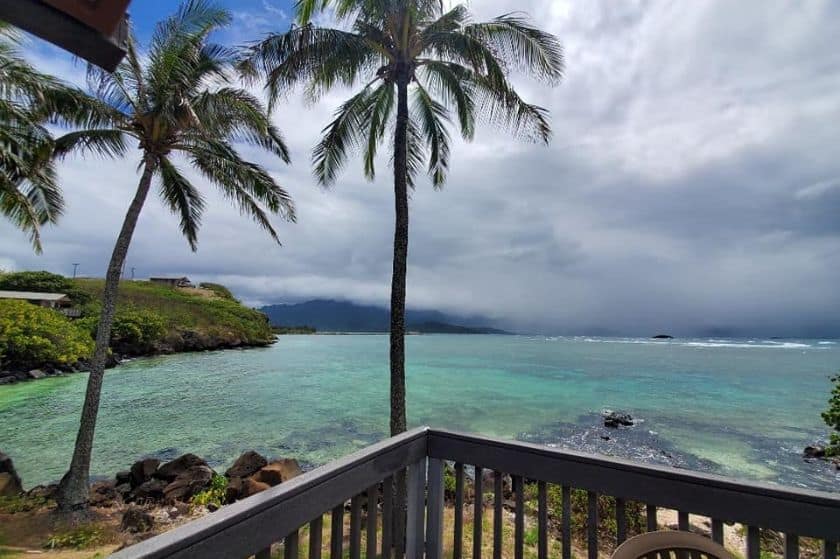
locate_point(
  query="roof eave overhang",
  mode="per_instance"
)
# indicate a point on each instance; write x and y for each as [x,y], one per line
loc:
[68,32]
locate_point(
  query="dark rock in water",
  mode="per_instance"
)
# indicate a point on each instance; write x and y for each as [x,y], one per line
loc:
[103,494]
[814,451]
[187,484]
[246,465]
[10,484]
[151,490]
[142,470]
[605,437]
[278,471]
[7,378]
[136,520]
[662,337]
[36,374]
[614,419]
[180,465]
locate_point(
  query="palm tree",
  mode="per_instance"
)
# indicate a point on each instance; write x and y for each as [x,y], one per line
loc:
[418,66]
[175,100]
[30,100]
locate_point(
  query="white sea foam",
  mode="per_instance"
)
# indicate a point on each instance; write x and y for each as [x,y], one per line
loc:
[749,344]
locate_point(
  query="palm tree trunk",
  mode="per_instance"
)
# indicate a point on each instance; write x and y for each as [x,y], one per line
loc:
[398,412]
[73,490]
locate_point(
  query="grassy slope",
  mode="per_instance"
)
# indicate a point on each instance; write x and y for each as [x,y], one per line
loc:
[193,319]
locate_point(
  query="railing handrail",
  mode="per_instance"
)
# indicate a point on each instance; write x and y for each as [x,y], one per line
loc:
[804,512]
[242,528]
[253,524]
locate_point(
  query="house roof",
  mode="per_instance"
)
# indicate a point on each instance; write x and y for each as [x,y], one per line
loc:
[94,30]
[32,295]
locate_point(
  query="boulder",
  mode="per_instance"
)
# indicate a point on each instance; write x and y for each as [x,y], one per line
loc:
[233,489]
[43,491]
[123,490]
[136,520]
[103,494]
[614,419]
[123,477]
[189,483]
[277,472]
[815,451]
[151,490]
[35,374]
[8,380]
[246,465]
[10,484]
[180,465]
[142,470]
[251,487]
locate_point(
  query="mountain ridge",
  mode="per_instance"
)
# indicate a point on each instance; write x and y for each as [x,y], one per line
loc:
[331,315]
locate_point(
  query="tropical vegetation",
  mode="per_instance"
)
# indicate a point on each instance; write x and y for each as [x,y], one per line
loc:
[831,416]
[43,282]
[31,336]
[30,101]
[420,70]
[177,103]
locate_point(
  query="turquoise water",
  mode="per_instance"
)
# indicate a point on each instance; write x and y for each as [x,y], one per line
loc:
[739,408]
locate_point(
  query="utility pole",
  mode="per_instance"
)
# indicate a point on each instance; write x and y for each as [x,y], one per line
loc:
[132,273]
[75,267]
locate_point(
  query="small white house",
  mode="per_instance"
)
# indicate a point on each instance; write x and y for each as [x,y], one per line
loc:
[48,300]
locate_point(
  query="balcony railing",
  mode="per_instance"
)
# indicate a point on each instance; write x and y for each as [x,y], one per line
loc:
[250,527]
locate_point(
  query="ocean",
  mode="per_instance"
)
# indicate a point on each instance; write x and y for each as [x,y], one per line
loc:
[740,408]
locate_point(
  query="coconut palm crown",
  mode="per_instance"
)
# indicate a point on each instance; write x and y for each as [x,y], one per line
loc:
[420,70]
[30,101]
[176,100]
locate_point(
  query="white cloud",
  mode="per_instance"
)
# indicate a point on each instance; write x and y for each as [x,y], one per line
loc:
[671,198]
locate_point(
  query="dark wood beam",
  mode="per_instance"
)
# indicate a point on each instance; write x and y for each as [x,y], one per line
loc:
[66,31]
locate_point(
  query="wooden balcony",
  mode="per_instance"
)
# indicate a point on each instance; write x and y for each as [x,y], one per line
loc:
[250,527]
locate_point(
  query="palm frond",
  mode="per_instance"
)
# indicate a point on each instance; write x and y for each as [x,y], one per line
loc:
[341,136]
[432,118]
[518,42]
[183,199]
[379,114]
[450,82]
[104,142]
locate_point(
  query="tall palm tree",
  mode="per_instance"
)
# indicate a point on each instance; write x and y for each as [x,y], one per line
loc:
[418,65]
[175,100]
[30,100]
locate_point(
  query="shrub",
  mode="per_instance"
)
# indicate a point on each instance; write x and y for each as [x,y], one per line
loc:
[213,495]
[831,416]
[44,282]
[32,336]
[21,503]
[80,537]
[134,331]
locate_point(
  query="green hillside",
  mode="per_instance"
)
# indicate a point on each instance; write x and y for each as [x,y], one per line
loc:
[151,319]
[193,319]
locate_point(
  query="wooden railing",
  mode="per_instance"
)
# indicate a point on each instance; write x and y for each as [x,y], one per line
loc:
[366,480]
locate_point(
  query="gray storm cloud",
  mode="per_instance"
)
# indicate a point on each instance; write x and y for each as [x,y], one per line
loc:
[692,186]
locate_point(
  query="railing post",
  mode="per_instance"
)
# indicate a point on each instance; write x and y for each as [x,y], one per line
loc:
[434,511]
[415,536]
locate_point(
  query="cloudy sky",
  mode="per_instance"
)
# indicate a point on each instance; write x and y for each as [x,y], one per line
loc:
[692,186]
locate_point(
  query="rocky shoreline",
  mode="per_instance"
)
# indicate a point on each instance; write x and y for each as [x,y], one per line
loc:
[192,344]
[152,495]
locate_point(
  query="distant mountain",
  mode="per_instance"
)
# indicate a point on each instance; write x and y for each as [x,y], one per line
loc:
[343,316]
